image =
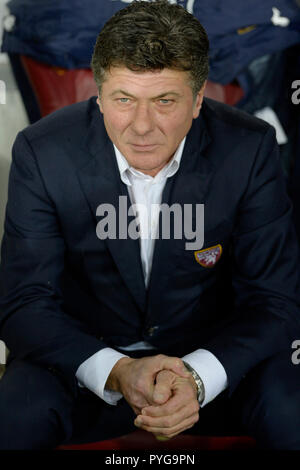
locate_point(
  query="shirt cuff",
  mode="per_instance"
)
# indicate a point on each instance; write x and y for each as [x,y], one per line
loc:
[211,372]
[94,371]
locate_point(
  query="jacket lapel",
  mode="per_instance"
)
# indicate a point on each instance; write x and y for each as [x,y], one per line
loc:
[101,183]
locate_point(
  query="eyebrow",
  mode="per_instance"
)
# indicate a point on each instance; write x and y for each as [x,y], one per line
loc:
[124,92]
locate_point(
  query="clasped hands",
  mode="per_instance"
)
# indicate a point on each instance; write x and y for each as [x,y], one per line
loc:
[161,392]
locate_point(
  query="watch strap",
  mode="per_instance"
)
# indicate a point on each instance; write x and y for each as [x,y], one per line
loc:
[199,382]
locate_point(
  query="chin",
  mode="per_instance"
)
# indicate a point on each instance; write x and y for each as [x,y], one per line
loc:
[145,166]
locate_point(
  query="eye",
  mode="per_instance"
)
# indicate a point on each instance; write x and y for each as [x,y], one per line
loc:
[165,101]
[123,100]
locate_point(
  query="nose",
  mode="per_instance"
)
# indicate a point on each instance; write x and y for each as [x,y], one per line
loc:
[143,121]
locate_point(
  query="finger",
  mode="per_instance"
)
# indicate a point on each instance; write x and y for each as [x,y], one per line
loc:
[169,421]
[181,397]
[172,363]
[137,401]
[174,430]
[168,433]
[163,387]
[156,365]
[136,410]
[166,438]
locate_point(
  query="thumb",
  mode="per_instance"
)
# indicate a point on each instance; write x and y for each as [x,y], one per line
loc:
[174,364]
[162,389]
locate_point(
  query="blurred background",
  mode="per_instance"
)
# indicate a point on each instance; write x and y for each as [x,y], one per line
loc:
[254,65]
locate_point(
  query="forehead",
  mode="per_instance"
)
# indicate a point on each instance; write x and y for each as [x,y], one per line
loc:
[148,82]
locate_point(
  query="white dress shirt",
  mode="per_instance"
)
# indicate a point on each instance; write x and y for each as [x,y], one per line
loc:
[147,190]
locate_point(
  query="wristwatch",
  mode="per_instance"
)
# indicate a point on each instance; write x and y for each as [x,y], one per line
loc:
[199,383]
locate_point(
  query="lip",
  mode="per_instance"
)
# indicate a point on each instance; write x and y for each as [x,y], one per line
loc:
[144,148]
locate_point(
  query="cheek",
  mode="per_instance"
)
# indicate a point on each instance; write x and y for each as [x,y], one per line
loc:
[115,122]
[177,125]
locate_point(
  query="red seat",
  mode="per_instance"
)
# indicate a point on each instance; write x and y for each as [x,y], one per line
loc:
[55,87]
[229,94]
[142,440]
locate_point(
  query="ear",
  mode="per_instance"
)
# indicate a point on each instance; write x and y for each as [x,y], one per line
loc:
[198,101]
[99,104]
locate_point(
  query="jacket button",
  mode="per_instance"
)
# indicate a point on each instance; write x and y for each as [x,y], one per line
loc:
[151,330]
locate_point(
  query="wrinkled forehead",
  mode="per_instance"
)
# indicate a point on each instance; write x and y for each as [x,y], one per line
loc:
[146,82]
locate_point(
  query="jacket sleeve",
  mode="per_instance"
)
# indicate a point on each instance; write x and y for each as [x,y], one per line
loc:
[32,321]
[265,267]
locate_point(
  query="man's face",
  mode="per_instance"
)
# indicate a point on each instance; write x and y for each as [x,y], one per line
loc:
[147,114]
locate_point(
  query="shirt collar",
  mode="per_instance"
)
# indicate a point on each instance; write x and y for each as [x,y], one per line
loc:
[166,172]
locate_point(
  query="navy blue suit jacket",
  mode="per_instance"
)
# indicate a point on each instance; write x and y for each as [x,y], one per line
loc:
[65,294]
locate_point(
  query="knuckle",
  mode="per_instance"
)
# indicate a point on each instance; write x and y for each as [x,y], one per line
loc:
[139,384]
[159,357]
[158,360]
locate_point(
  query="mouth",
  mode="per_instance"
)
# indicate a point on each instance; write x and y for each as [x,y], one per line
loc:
[144,148]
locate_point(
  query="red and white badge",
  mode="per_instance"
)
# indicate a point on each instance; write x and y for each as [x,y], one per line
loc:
[208,257]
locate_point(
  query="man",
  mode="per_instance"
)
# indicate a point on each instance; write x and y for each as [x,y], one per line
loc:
[99,310]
